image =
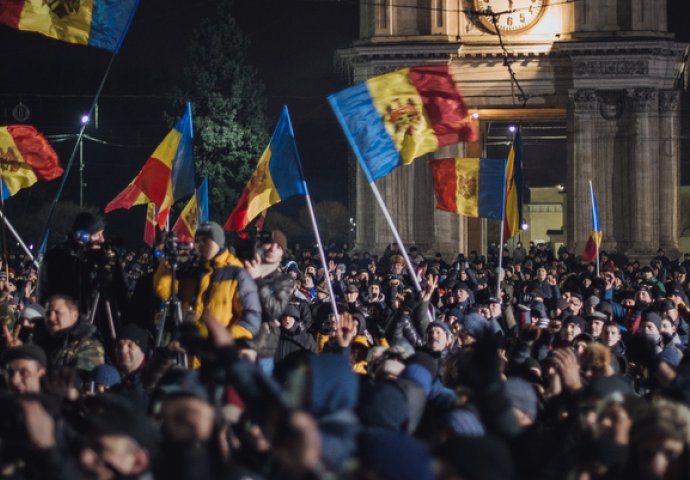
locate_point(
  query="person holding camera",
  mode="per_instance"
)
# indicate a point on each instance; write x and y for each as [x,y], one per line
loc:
[86,269]
[218,286]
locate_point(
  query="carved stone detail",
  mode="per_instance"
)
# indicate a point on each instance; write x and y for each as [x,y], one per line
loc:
[643,99]
[585,100]
[596,68]
[669,100]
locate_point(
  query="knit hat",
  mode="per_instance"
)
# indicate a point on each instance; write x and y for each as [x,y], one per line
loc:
[671,355]
[475,325]
[522,396]
[105,374]
[454,312]
[136,334]
[577,320]
[33,311]
[279,237]
[654,318]
[212,231]
[28,351]
[88,222]
[291,311]
[591,301]
[465,423]
[442,325]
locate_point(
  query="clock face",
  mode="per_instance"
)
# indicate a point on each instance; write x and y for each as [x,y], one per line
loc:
[512,16]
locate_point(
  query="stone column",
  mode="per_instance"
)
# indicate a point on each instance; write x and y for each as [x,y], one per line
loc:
[583,116]
[669,170]
[643,205]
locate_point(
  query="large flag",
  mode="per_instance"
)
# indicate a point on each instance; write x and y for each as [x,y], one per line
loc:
[469,186]
[25,158]
[97,23]
[277,177]
[193,214]
[594,241]
[513,199]
[167,175]
[394,118]
[150,226]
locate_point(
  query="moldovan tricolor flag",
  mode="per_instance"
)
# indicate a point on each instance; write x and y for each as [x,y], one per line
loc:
[194,213]
[513,198]
[25,158]
[277,176]
[167,175]
[472,187]
[394,118]
[97,23]
[594,241]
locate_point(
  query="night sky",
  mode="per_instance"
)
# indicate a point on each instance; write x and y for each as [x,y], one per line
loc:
[293,45]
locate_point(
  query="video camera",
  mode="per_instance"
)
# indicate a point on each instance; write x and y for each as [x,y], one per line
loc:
[247,242]
[173,249]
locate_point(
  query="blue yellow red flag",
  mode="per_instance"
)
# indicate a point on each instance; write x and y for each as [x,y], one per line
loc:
[277,176]
[193,214]
[167,175]
[513,196]
[25,158]
[391,119]
[97,23]
[594,240]
[472,187]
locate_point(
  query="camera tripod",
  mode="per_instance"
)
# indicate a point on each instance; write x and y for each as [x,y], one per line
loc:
[172,308]
[108,312]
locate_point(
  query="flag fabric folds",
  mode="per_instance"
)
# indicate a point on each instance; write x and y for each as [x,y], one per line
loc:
[25,158]
[394,118]
[594,241]
[277,177]
[469,186]
[150,226]
[513,198]
[194,213]
[97,23]
[167,175]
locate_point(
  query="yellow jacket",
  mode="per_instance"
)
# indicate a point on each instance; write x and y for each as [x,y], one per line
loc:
[220,287]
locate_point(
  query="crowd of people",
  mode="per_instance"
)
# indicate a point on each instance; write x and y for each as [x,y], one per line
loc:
[187,364]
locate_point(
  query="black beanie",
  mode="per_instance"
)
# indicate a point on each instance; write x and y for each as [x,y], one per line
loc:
[136,334]
[89,222]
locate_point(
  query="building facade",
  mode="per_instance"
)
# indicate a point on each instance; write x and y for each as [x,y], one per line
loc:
[607,68]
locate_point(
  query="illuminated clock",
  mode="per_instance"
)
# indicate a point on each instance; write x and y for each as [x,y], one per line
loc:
[511,16]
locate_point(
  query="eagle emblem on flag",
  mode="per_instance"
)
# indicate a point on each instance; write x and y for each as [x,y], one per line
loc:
[467,186]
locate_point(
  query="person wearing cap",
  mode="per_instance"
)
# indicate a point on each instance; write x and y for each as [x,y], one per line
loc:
[119,443]
[219,287]
[293,338]
[595,324]
[24,368]
[139,368]
[657,286]
[572,327]
[82,266]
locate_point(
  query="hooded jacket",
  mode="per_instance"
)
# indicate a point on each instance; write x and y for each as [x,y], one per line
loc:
[222,288]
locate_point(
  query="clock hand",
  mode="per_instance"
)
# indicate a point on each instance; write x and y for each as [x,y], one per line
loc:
[510,5]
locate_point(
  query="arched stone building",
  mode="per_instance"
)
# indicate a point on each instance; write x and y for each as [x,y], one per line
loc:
[608,69]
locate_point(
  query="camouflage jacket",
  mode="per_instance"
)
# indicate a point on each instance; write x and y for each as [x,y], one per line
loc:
[78,348]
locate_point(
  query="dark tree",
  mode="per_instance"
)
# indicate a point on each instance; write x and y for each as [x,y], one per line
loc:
[227,105]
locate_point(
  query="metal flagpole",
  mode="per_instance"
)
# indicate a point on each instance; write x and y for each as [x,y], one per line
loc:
[312,216]
[398,240]
[76,149]
[17,237]
[501,234]
[596,224]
